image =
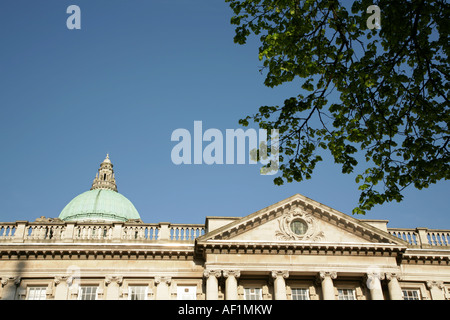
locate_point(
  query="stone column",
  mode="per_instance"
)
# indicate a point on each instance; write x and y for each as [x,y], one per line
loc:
[279,284]
[231,287]
[326,278]
[374,285]
[9,285]
[395,291]
[212,285]
[162,287]
[61,287]
[113,284]
[435,288]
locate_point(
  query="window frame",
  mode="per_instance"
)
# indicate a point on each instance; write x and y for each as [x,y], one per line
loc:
[42,292]
[145,293]
[417,290]
[80,291]
[293,289]
[352,290]
[260,295]
[194,294]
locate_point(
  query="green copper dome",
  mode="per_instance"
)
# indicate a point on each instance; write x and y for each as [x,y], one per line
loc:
[102,202]
[99,204]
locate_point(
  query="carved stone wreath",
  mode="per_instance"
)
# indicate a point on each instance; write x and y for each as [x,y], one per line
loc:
[301,219]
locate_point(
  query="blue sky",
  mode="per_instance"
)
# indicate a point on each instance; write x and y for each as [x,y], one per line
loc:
[135,72]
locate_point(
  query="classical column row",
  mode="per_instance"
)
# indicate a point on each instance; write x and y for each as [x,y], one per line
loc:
[64,287]
[373,282]
[231,285]
[113,283]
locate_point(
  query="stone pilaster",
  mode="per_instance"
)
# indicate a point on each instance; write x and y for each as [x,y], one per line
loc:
[436,290]
[9,285]
[280,284]
[113,284]
[61,287]
[212,285]
[162,287]
[231,287]
[326,279]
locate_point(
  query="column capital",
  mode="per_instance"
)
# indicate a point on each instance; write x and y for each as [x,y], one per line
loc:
[165,280]
[11,279]
[392,275]
[280,273]
[437,284]
[374,275]
[209,273]
[113,278]
[231,273]
[58,279]
[327,274]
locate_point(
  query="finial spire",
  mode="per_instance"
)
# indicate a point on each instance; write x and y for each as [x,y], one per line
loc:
[107,158]
[105,177]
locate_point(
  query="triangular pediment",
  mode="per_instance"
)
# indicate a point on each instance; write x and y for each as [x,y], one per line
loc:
[299,219]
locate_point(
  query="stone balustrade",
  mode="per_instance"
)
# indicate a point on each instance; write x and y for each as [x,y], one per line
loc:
[423,237]
[24,231]
[60,231]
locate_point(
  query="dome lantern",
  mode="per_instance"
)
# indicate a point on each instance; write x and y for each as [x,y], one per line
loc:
[105,177]
[103,202]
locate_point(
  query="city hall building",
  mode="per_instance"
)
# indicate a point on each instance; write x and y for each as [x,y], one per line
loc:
[296,249]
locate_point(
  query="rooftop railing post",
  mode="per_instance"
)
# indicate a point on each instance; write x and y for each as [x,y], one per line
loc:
[117,231]
[423,238]
[164,231]
[19,234]
[69,233]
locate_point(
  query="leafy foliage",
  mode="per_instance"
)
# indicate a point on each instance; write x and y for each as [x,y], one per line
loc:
[380,94]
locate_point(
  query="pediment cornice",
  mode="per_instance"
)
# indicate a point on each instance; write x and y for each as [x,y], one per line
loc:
[310,207]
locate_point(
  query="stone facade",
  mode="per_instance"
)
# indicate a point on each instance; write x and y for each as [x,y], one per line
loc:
[294,249]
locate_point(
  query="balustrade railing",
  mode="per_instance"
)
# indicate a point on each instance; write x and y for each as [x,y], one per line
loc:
[439,237]
[93,232]
[423,237]
[410,236]
[7,230]
[186,232]
[39,232]
[24,231]
[141,232]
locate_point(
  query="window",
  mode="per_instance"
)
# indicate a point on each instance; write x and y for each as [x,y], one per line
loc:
[252,294]
[299,227]
[186,293]
[346,294]
[411,294]
[137,292]
[37,293]
[87,293]
[300,294]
